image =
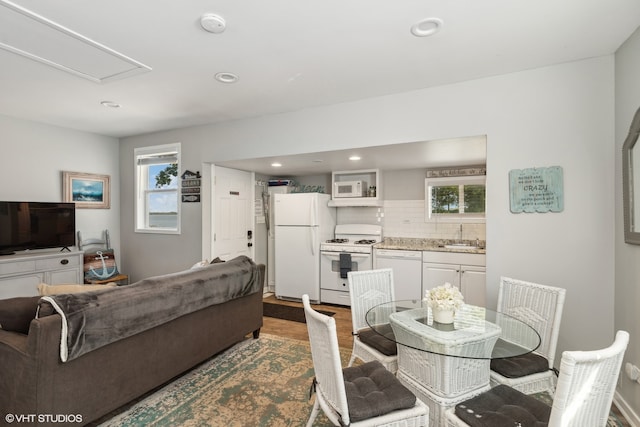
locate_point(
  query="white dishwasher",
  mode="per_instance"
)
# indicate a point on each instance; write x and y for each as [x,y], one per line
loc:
[407,271]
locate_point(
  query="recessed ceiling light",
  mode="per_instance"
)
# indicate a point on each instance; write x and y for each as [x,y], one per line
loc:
[276,165]
[226,77]
[426,27]
[110,104]
[354,158]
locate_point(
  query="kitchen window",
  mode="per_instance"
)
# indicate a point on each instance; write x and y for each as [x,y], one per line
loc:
[457,199]
[157,206]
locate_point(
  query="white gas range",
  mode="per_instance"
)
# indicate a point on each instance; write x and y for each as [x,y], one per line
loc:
[350,250]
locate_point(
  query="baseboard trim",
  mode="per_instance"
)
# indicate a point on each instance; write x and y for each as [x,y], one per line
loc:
[626,410]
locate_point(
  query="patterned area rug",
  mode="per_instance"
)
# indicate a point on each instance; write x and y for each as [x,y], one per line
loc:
[263,382]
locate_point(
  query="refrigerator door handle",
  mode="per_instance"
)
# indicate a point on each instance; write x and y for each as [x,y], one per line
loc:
[314,219]
[314,211]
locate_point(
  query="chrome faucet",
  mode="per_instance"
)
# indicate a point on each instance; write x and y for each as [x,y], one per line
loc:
[460,240]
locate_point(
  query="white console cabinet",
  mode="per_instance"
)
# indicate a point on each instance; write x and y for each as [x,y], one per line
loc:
[20,274]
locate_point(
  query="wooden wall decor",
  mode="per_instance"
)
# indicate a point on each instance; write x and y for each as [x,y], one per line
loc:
[190,187]
[536,190]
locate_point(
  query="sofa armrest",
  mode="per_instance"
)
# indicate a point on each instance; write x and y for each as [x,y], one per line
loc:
[18,373]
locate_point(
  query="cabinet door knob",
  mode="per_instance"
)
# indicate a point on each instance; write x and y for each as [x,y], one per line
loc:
[64,261]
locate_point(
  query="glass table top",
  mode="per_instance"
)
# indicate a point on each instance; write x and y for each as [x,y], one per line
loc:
[476,332]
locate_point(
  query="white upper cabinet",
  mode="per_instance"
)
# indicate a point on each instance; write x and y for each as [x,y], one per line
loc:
[356,188]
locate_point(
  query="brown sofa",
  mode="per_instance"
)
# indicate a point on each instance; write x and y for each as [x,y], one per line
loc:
[34,382]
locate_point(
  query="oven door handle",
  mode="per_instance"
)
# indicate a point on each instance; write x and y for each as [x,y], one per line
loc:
[336,255]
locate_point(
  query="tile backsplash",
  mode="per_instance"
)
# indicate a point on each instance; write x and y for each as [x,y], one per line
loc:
[405,218]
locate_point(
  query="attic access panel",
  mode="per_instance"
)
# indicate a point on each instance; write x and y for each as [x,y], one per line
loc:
[35,37]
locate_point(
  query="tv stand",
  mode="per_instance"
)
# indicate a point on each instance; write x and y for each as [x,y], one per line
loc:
[20,274]
[66,248]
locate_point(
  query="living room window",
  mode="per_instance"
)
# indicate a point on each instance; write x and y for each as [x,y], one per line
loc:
[457,199]
[157,190]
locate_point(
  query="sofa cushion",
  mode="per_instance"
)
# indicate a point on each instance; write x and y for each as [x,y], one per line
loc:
[17,313]
[373,391]
[382,340]
[45,289]
[503,406]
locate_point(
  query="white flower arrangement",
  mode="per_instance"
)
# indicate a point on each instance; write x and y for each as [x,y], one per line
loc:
[444,297]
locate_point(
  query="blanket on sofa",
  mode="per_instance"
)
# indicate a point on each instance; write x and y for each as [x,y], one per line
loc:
[94,319]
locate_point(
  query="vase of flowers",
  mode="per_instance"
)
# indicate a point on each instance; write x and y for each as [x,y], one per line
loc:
[444,300]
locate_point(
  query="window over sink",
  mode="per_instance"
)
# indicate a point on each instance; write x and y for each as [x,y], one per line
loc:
[455,199]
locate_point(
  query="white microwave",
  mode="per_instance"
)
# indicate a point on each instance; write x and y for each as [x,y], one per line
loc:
[349,189]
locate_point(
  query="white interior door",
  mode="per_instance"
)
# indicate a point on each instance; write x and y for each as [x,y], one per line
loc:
[233,213]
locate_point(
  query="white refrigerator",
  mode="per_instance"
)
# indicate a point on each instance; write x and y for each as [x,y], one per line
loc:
[302,222]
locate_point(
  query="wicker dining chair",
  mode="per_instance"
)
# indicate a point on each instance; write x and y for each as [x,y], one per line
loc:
[540,307]
[363,395]
[366,290]
[583,397]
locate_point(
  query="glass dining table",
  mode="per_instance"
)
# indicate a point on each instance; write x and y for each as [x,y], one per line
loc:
[445,364]
[413,326]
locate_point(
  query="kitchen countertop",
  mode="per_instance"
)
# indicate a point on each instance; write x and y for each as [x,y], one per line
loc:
[437,245]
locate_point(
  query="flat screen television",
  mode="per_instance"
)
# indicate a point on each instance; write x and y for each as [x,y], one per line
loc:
[36,225]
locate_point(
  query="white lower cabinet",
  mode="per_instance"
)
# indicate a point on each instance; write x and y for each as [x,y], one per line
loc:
[465,271]
[20,275]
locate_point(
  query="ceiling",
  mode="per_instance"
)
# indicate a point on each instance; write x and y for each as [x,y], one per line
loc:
[468,151]
[288,55]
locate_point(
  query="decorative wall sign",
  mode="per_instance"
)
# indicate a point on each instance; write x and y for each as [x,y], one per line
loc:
[190,187]
[186,198]
[87,190]
[190,175]
[461,171]
[536,189]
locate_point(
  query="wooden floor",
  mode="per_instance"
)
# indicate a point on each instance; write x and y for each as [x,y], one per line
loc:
[296,330]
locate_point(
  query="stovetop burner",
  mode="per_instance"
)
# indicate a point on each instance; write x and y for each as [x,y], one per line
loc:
[337,240]
[365,242]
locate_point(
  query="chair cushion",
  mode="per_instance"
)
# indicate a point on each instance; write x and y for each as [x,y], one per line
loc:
[516,367]
[503,406]
[382,340]
[372,391]
[17,313]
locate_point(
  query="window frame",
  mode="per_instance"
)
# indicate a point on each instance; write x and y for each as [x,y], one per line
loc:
[459,181]
[142,190]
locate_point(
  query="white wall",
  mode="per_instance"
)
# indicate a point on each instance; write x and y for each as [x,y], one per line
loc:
[34,156]
[554,116]
[627,275]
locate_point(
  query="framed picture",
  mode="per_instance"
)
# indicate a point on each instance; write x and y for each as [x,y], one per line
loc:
[86,190]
